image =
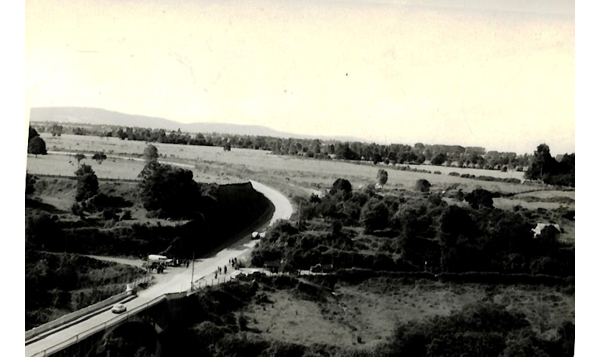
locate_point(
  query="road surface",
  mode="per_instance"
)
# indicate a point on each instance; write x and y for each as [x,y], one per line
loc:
[172,281]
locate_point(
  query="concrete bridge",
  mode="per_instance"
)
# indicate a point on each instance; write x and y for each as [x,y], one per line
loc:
[149,319]
[149,309]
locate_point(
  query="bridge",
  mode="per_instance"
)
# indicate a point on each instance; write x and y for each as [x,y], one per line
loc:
[81,337]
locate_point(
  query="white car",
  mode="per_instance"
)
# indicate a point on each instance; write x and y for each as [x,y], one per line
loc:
[118,308]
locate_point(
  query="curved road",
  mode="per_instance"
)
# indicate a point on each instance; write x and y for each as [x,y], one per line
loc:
[174,280]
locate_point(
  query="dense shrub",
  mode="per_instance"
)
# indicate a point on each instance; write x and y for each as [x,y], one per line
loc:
[480,329]
[422,185]
[169,189]
[374,215]
[480,198]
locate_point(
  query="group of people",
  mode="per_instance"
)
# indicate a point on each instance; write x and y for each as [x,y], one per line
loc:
[221,271]
[233,262]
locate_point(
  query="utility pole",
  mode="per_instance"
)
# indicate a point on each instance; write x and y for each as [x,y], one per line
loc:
[193,261]
[300,215]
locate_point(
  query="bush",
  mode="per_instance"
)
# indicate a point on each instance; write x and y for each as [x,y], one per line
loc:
[480,198]
[374,215]
[422,185]
[480,329]
[87,183]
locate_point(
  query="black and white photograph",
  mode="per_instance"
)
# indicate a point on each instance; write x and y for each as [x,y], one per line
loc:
[298,178]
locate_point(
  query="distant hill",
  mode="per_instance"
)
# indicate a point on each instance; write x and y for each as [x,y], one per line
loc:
[96,116]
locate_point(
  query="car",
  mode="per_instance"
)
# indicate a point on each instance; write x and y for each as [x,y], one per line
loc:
[118,308]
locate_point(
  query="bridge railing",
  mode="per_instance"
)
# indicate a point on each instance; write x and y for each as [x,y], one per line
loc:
[197,285]
[92,330]
[63,320]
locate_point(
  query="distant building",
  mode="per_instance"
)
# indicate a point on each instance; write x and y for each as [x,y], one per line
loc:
[540,227]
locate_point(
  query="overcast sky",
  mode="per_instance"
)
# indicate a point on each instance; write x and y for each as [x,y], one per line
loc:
[474,73]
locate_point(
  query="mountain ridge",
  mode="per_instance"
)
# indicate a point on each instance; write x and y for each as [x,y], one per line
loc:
[98,116]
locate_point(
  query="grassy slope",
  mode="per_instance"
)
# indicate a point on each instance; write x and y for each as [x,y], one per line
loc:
[371,309]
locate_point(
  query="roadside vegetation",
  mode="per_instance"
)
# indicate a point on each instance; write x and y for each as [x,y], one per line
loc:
[60,283]
[348,315]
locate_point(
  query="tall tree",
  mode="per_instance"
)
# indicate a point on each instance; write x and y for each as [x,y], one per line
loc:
[382,177]
[32,133]
[543,164]
[342,185]
[87,183]
[150,153]
[37,146]
[374,215]
[480,198]
[422,185]
[170,191]
[439,159]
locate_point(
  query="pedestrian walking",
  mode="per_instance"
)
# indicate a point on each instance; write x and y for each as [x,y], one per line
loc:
[225,269]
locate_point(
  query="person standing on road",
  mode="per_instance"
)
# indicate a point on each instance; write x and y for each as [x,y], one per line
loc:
[225,269]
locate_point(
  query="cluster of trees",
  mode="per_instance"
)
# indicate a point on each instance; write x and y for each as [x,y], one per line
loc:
[35,144]
[455,155]
[416,231]
[170,192]
[546,168]
[99,157]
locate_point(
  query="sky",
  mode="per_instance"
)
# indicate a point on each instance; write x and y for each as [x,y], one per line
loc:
[475,73]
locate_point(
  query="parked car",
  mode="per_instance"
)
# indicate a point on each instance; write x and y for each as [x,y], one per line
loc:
[118,308]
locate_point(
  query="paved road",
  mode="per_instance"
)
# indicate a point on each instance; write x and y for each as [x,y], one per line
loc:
[173,280]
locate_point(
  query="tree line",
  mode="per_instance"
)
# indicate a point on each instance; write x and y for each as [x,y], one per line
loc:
[392,154]
[314,148]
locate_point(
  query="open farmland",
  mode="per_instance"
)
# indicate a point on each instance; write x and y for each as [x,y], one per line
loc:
[115,168]
[292,175]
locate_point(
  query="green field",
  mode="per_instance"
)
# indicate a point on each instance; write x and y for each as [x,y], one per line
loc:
[292,175]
